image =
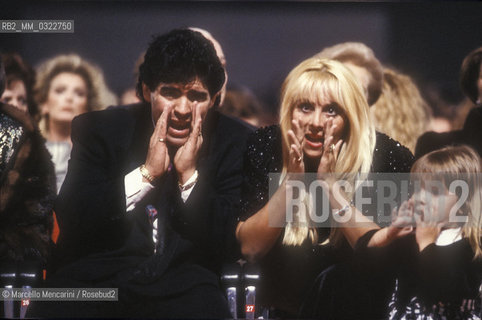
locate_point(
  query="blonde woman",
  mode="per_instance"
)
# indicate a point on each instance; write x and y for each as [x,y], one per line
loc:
[325,127]
[400,111]
[67,86]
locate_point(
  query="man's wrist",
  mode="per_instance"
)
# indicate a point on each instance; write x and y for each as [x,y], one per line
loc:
[189,183]
[146,175]
[186,175]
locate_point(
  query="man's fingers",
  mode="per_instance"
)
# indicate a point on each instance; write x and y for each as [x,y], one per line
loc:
[196,132]
[167,160]
[193,139]
[157,158]
[194,115]
[160,131]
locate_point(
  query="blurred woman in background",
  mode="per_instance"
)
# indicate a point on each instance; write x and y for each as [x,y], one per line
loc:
[400,111]
[66,87]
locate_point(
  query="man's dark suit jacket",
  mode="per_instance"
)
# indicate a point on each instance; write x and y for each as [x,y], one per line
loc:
[99,240]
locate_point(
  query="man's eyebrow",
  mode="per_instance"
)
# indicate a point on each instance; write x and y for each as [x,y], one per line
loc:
[200,90]
[169,88]
[197,94]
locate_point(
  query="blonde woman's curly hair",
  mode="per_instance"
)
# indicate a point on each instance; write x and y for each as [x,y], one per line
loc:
[99,96]
[401,112]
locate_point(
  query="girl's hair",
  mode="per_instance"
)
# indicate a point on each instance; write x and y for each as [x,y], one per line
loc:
[98,95]
[459,163]
[401,112]
[310,80]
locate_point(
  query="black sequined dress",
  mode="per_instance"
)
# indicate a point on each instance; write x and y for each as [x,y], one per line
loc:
[289,273]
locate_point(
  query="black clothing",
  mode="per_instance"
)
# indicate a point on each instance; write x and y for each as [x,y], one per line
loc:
[27,195]
[101,245]
[471,135]
[288,272]
[27,189]
[435,281]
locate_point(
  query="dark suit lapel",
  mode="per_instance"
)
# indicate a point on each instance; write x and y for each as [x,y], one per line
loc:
[206,161]
[209,128]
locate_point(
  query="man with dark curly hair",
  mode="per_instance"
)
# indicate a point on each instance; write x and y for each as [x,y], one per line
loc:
[149,202]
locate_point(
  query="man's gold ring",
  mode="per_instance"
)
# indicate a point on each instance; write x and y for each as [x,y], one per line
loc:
[162,140]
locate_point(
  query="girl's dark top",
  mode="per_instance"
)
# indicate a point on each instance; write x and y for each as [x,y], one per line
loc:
[436,281]
[290,273]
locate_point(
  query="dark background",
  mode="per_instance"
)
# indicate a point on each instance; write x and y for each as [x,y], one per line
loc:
[262,41]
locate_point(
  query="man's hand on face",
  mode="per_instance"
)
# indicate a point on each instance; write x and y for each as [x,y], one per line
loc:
[186,156]
[183,106]
[157,161]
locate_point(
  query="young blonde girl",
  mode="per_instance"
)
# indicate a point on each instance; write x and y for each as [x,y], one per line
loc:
[445,266]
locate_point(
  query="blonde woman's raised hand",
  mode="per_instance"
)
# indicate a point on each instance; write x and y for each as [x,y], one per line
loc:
[331,149]
[296,140]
